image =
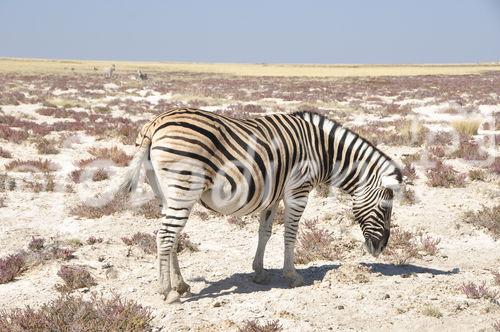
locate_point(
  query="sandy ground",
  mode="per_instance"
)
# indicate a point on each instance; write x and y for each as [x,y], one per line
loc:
[356,292]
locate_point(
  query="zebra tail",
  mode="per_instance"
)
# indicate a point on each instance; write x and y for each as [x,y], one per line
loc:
[131,178]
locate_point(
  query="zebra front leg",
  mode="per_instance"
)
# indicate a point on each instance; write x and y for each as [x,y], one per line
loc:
[294,207]
[265,229]
[173,223]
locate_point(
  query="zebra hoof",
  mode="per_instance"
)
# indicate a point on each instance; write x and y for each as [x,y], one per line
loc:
[182,288]
[173,297]
[261,278]
[296,281]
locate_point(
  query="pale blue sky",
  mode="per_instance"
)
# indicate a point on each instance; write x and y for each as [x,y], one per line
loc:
[321,31]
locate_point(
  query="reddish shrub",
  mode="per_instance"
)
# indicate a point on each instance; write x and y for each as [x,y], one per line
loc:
[314,244]
[74,277]
[473,291]
[442,175]
[468,149]
[70,313]
[12,266]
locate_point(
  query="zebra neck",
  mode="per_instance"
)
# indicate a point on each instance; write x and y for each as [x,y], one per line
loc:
[352,163]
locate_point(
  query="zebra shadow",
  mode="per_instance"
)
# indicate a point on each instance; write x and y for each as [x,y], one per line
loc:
[242,283]
[406,269]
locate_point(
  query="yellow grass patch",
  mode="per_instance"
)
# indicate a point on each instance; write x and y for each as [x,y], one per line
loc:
[305,70]
[467,126]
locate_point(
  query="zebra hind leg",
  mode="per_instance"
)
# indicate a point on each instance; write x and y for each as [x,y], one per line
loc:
[176,213]
[294,208]
[265,229]
[177,282]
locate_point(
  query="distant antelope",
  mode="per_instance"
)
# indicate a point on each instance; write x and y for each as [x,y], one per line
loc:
[142,76]
[108,72]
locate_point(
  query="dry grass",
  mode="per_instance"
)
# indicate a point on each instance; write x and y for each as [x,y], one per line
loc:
[237,221]
[408,196]
[31,166]
[467,127]
[73,313]
[402,247]
[117,155]
[46,146]
[442,175]
[74,277]
[409,172]
[149,210]
[46,183]
[477,175]
[255,326]
[5,154]
[100,175]
[486,217]
[432,311]
[117,204]
[496,277]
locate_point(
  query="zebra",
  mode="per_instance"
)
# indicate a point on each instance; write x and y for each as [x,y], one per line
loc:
[244,166]
[142,76]
[108,72]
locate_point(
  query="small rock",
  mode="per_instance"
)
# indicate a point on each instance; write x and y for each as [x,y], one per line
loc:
[386,296]
[340,307]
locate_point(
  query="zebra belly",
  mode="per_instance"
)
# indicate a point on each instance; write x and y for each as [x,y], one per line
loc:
[234,201]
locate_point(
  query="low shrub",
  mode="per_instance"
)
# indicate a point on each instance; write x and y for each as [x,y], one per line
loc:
[486,217]
[408,196]
[40,165]
[147,242]
[74,277]
[254,326]
[93,240]
[12,266]
[442,175]
[432,311]
[74,313]
[117,155]
[477,175]
[314,244]
[5,154]
[402,247]
[46,146]
[478,291]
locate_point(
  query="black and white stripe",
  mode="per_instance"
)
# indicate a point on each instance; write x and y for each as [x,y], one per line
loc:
[240,167]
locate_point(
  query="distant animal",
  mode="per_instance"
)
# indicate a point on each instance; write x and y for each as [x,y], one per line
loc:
[108,72]
[142,76]
[95,69]
[244,166]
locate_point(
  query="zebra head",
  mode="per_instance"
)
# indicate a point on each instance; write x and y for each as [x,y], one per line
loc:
[372,209]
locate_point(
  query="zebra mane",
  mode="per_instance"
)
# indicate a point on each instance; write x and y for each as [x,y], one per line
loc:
[319,119]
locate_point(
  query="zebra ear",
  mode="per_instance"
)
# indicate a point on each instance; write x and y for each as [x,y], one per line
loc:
[390,182]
